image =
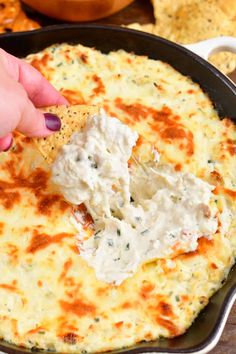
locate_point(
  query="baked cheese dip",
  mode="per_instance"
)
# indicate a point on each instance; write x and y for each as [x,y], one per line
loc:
[57,290]
[167,211]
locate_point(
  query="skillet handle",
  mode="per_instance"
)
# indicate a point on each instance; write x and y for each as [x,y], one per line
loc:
[214,45]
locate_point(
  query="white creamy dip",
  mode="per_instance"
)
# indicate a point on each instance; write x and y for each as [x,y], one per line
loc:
[92,168]
[141,212]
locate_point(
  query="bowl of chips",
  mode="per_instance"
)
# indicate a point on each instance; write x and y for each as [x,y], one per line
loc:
[78,10]
[187,22]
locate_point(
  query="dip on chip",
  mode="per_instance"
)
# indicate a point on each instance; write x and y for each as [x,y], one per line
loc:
[140,213]
[72,120]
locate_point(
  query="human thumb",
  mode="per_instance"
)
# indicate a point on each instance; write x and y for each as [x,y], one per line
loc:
[35,123]
[22,116]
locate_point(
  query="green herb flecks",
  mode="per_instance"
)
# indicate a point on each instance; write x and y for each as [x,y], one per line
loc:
[175,198]
[96,235]
[110,243]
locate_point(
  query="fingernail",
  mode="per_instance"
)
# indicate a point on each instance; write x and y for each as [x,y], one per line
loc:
[9,146]
[52,122]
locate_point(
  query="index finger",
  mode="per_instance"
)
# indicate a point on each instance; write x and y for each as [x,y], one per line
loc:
[39,90]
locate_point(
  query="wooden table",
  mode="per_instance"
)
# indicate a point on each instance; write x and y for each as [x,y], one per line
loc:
[141,11]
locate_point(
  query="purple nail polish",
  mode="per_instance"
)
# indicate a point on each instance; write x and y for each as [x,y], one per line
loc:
[9,146]
[52,121]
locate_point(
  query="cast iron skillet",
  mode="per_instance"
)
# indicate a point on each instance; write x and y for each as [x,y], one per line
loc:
[207,328]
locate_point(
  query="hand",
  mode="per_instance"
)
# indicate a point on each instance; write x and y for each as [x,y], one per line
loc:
[22,89]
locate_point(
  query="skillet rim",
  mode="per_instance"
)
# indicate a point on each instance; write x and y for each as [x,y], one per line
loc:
[230,294]
[93,26]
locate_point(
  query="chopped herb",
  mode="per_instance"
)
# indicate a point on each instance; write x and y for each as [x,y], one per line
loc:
[110,243]
[175,198]
[116,259]
[96,319]
[172,235]
[144,232]
[209,161]
[118,232]
[222,281]
[162,338]
[97,232]
[177,298]
[41,332]
[131,199]
[94,165]
[127,247]
[121,203]
[97,237]
[83,351]
[138,218]
[60,64]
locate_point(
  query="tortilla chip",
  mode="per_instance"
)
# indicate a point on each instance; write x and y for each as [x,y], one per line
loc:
[191,21]
[224,61]
[13,18]
[149,27]
[73,119]
[228,7]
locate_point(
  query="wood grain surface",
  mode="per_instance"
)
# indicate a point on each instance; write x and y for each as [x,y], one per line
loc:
[141,11]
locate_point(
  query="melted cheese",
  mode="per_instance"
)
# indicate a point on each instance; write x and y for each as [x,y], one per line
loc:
[166,211]
[93,167]
[49,297]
